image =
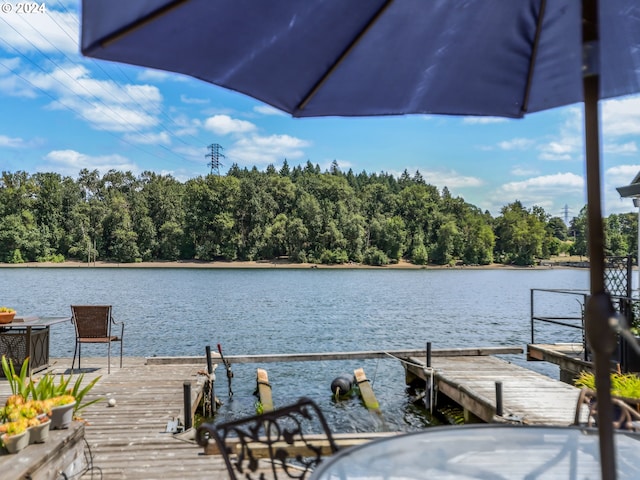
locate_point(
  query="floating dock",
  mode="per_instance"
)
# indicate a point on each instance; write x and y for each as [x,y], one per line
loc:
[569,357]
[135,439]
[527,397]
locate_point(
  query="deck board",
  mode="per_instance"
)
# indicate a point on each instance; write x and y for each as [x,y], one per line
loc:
[129,440]
[529,396]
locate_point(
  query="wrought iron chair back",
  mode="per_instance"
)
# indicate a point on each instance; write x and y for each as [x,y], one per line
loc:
[625,417]
[287,436]
[93,324]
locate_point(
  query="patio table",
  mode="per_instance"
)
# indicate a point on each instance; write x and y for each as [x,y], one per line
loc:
[28,337]
[483,452]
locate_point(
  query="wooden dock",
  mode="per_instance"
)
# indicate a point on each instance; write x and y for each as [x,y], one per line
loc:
[568,356]
[528,397]
[132,440]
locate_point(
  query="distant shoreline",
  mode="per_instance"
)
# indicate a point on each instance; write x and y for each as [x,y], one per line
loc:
[285,264]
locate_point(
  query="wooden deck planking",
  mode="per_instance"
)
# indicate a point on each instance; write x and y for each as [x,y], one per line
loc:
[360,355]
[528,396]
[129,440]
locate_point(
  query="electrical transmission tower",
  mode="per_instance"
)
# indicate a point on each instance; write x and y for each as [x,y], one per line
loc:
[215,156]
[565,211]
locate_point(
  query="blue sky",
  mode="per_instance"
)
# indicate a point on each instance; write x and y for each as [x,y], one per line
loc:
[62,112]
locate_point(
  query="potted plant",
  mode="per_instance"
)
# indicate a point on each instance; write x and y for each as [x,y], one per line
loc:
[629,357]
[6,314]
[64,398]
[60,401]
[37,415]
[14,435]
[62,408]
[19,383]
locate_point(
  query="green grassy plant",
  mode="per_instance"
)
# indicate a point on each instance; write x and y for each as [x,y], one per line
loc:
[19,383]
[625,385]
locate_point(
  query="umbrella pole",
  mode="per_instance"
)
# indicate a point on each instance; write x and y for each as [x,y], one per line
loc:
[600,334]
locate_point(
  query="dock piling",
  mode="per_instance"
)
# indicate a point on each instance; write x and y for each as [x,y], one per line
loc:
[499,404]
[188,416]
[211,381]
[264,390]
[366,392]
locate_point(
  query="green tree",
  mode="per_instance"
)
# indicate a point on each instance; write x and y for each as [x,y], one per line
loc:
[520,235]
[579,230]
[119,237]
[20,238]
[557,228]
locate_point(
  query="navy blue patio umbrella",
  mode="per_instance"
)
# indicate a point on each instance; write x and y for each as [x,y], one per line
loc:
[383,57]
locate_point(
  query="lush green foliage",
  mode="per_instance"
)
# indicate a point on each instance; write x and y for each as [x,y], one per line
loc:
[625,385]
[45,387]
[300,213]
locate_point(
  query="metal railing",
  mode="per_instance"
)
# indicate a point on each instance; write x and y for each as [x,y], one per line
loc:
[622,304]
[570,321]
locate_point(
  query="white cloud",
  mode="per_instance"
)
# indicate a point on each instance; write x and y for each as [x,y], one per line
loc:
[628,148]
[544,190]
[621,117]
[103,103]
[618,176]
[148,138]
[194,101]
[523,171]
[9,142]
[111,118]
[261,150]
[183,125]
[150,75]
[482,120]
[224,125]
[568,145]
[558,150]
[451,179]
[70,162]
[443,178]
[192,154]
[51,32]
[546,182]
[516,144]
[12,84]
[268,110]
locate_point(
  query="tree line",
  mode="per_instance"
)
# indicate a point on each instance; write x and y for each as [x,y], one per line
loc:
[301,213]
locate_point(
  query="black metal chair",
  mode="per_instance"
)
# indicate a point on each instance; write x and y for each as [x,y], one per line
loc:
[625,417]
[287,437]
[93,325]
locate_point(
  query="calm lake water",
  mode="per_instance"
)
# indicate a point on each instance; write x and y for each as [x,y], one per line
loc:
[174,312]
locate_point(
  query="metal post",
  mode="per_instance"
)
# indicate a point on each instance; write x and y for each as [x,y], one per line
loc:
[428,354]
[499,407]
[187,405]
[532,313]
[209,364]
[636,203]
[211,379]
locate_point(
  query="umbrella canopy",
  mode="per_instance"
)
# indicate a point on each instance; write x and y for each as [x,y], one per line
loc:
[336,57]
[384,57]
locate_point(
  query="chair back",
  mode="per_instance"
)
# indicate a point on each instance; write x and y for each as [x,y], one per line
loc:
[92,321]
[625,417]
[284,442]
